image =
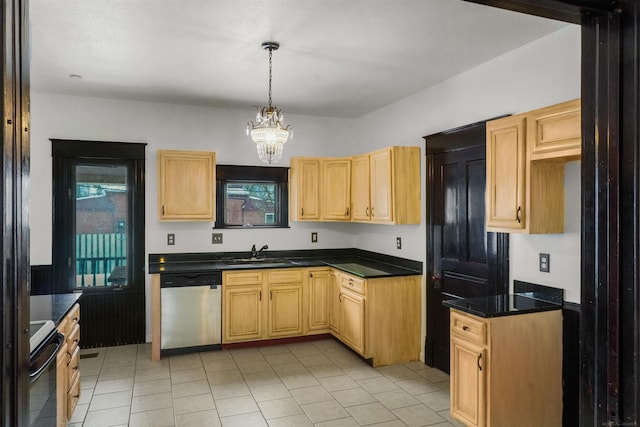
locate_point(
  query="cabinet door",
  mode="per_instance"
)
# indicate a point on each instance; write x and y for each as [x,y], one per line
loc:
[285,310]
[555,131]
[468,373]
[242,313]
[186,185]
[334,304]
[319,288]
[352,319]
[381,183]
[360,202]
[62,384]
[306,189]
[505,193]
[336,189]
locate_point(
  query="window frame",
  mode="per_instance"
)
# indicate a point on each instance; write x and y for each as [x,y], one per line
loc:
[272,175]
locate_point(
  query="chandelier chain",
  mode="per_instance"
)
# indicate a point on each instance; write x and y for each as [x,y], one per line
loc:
[270,54]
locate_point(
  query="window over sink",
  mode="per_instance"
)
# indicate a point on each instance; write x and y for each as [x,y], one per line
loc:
[252,196]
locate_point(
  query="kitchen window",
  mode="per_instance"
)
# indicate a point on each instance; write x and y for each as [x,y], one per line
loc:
[252,197]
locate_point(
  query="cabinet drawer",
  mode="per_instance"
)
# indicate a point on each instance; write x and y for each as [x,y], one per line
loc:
[352,283]
[73,396]
[470,329]
[285,276]
[74,364]
[244,278]
[74,314]
[73,339]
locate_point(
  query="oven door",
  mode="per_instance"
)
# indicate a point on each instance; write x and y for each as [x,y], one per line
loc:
[42,381]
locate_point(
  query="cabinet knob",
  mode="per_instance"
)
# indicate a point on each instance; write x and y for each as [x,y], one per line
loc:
[465,328]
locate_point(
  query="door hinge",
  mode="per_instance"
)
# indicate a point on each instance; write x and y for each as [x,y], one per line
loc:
[69,192]
[69,261]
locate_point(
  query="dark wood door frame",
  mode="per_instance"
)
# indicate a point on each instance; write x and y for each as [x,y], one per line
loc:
[610,276]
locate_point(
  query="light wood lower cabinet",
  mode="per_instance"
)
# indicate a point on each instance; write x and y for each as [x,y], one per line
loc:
[507,371]
[68,366]
[378,318]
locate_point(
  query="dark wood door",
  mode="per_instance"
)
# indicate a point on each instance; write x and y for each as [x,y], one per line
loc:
[463,260]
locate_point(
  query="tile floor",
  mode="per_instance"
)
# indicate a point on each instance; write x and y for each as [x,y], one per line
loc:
[319,383]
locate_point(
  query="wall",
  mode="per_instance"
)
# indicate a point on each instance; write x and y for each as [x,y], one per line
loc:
[538,74]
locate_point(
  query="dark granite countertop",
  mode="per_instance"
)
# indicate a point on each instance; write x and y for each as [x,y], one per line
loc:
[354,261]
[527,298]
[52,307]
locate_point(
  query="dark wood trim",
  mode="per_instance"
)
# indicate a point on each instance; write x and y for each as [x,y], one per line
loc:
[79,149]
[572,11]
[14,166]
[570,364]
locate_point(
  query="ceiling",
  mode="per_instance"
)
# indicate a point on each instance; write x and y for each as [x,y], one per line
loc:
[337,58]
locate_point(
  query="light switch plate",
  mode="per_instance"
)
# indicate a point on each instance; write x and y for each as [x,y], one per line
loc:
[314,237]
[216,238]
[171,239]
[399,242]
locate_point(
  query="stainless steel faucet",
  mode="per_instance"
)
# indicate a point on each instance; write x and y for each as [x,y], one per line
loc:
[255,253]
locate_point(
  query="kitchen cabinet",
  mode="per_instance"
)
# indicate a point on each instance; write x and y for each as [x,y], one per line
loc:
[507,370]
[186,185]
[305,189]
[390,192]
[526,156]
[68,366]
[261,304]
[379,318]
[242,306]
[336,189]
[318,291]
[334,304]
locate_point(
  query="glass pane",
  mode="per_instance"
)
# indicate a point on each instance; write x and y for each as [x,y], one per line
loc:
[250,203]
[101,225]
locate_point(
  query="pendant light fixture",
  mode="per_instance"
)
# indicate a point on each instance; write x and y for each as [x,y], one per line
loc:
[269,132]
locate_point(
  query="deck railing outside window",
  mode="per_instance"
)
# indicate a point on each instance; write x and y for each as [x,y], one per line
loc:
[97,255]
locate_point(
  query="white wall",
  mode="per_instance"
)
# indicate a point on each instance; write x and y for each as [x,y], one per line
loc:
[541,73]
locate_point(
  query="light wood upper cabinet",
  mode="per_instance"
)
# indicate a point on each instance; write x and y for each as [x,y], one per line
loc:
[526,156]
[390,193]
[336,189]
[305,189]
[555,131]
[505,193]
[507,371]
[186,185]
[360,201]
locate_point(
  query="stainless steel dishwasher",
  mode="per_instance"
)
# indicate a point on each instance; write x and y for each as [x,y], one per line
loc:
[191,312]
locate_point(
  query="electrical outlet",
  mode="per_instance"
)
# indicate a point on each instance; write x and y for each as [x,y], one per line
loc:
[314,237]
[216,238]
[545,259]
[171,239]
[399,242]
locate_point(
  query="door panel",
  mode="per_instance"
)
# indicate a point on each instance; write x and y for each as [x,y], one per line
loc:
[462,259]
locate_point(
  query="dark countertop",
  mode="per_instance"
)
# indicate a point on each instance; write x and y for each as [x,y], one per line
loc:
[501,305]
[52,307]
[358,262]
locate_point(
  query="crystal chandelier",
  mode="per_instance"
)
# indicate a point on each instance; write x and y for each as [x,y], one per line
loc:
[269,132]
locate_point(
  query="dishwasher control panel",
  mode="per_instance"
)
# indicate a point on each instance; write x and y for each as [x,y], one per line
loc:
[178,280]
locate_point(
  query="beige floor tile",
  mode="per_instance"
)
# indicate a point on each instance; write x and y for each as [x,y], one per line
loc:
[109,373]
[273,349]
[300,420]
[371,413]
[201,402]
[338,383]
[112,386]
[85,396]
[323,371]
[303,349]
[199,419]
[88,381]
[79,413]
[151,402]
[208,356]
[188,375]
[299,381]
[293,368]
[324,411]
[279,408]
[222,377]
[417,386]
[311,394]
[147,363]
[254,367]
[377,385]
[348,361]
[395,399]
[432,374]
[244,355]
[236,406]
[152,387]
[447,416]
[111,400]
[418,415]
[314,360]
[342,422]
[152,374]
[185,361]
[261,378]
[190,389]
[107,417]
[394,423]
[280,358]
[353,397]
[362,372]
[214,365]
[157,418]
[397,372]
[254,419]
[269,392]
[437,401]
[227,390]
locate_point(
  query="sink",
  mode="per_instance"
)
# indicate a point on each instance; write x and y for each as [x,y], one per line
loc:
[257,261]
